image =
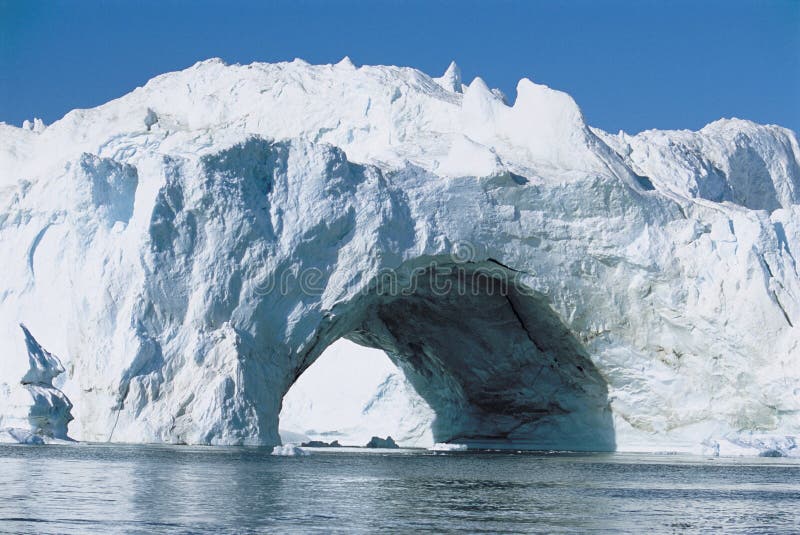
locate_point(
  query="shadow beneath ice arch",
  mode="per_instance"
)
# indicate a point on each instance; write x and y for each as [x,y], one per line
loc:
[491,358]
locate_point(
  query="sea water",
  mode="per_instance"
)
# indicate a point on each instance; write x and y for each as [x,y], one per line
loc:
[163,489]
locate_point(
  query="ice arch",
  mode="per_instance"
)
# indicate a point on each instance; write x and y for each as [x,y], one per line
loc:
[256,259]
[247,263]
[493,361]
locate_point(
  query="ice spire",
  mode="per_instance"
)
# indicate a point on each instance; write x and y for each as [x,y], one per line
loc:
[33,409]
[346,62]
[451,79]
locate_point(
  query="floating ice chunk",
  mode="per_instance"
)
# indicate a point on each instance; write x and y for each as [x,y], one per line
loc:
[747,444]
[12,435]
[378,442]
[288,450]
[443,446]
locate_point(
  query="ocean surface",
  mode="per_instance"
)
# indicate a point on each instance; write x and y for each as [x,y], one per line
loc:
[159,489]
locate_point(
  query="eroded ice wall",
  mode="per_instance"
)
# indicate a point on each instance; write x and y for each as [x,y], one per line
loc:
[189,249]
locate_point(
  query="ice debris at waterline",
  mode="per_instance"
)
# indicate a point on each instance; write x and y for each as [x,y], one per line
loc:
[439,446]
[288,450]
[190,248]
[33,411]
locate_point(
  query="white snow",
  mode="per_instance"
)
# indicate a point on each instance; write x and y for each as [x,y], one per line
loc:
[189,249]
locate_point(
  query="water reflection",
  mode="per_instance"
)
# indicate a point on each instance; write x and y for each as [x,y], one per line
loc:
[105,489]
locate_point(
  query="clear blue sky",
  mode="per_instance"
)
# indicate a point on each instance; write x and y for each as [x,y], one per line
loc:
[631,65]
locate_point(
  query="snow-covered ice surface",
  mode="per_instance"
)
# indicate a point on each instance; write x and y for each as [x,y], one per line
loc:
[189,249]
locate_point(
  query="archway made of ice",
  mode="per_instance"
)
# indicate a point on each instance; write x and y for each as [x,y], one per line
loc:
[493,361]
[260,257]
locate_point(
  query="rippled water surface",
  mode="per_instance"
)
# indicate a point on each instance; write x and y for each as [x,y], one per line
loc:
[144,489]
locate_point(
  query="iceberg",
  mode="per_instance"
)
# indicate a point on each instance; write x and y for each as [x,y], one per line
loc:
[382,443]
[190,249]
[288,450]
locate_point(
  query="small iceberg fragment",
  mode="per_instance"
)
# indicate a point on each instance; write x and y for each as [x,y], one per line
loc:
[288,450]
[11,435]
[443,446]
[320,444]
[385,443]
[761,445]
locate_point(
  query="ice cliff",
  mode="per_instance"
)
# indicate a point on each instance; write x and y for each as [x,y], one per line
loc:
[189,249]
